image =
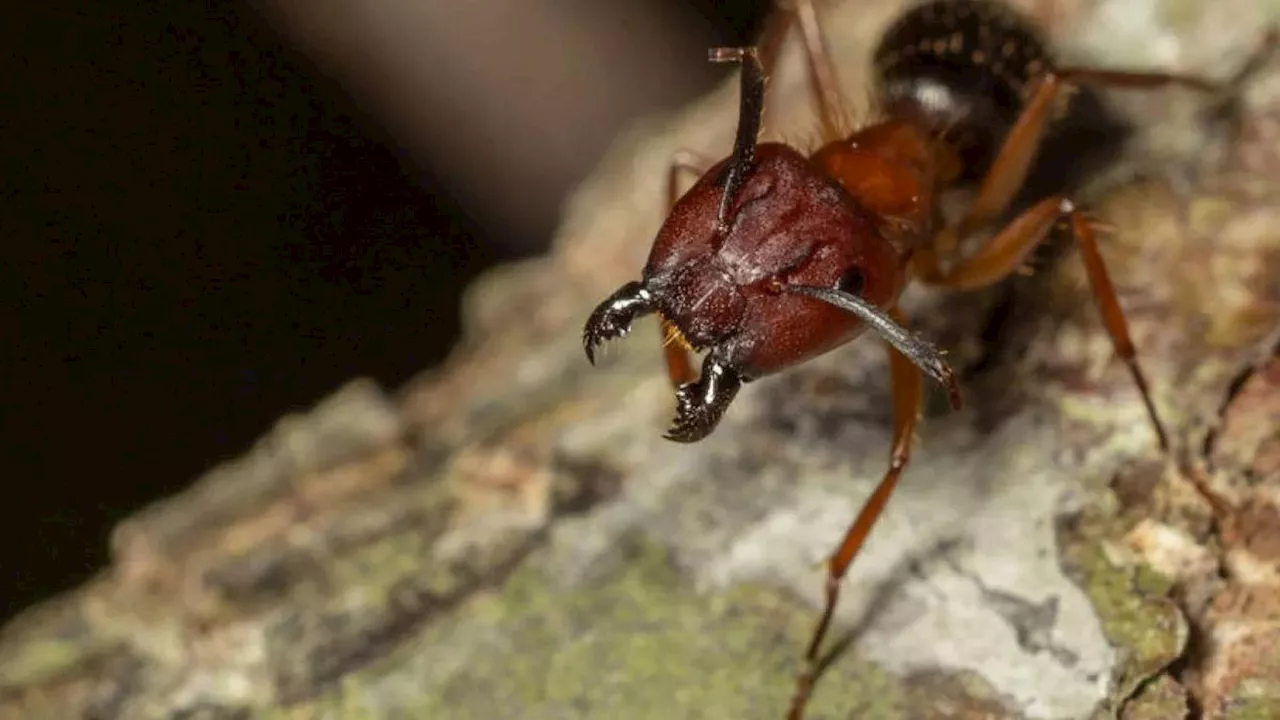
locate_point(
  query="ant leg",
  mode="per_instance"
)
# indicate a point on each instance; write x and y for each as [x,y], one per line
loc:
[679,365]
[1005,253]
[907,385]
[822,71]
[1142,79]
[1013,160]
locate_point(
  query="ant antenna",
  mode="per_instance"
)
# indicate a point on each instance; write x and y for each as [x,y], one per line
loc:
[751,110]
[919,351]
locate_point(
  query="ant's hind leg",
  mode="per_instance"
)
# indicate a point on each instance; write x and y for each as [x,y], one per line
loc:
[1135,80]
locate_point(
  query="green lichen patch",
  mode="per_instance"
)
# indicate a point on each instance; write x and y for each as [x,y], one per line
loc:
[1147,628]
[1260,701]
[1161,699]
[638,643]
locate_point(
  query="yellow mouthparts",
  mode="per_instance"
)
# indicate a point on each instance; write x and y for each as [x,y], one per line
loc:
[672,334]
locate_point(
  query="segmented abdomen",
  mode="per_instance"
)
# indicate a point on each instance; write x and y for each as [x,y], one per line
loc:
[962,67]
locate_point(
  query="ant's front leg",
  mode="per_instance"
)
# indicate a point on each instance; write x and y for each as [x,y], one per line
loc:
[907,386]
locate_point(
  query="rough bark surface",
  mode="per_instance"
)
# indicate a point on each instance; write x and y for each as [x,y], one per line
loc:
[510,537]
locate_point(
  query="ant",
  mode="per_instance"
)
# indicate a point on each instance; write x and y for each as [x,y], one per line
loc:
[774,257]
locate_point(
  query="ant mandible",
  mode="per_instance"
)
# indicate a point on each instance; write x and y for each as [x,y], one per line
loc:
[773,258]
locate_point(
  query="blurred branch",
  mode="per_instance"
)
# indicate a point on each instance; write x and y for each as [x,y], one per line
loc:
[512,101]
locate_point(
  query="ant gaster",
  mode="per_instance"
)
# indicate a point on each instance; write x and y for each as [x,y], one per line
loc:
[773,258]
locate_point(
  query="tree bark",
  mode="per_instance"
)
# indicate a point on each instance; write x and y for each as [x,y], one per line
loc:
[510,537]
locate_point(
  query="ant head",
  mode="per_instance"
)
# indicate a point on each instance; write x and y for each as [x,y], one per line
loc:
[724,287]
[746,286]
[764,263]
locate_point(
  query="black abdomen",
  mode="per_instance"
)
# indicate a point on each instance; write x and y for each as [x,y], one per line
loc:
[962,66]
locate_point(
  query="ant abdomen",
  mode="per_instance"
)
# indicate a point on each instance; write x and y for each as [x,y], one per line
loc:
[962,68]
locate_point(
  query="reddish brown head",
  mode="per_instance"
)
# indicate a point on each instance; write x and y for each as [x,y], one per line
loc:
[733,291]
[788,225]
[764,263]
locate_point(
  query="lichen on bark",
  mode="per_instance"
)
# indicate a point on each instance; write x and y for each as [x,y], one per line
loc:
[509,536]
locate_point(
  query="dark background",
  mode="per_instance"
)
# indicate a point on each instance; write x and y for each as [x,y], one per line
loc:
[201,232]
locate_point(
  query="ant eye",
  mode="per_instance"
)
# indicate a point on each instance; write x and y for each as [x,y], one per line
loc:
[853,281]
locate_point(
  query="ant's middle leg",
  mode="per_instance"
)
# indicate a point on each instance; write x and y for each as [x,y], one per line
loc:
[1006,252]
